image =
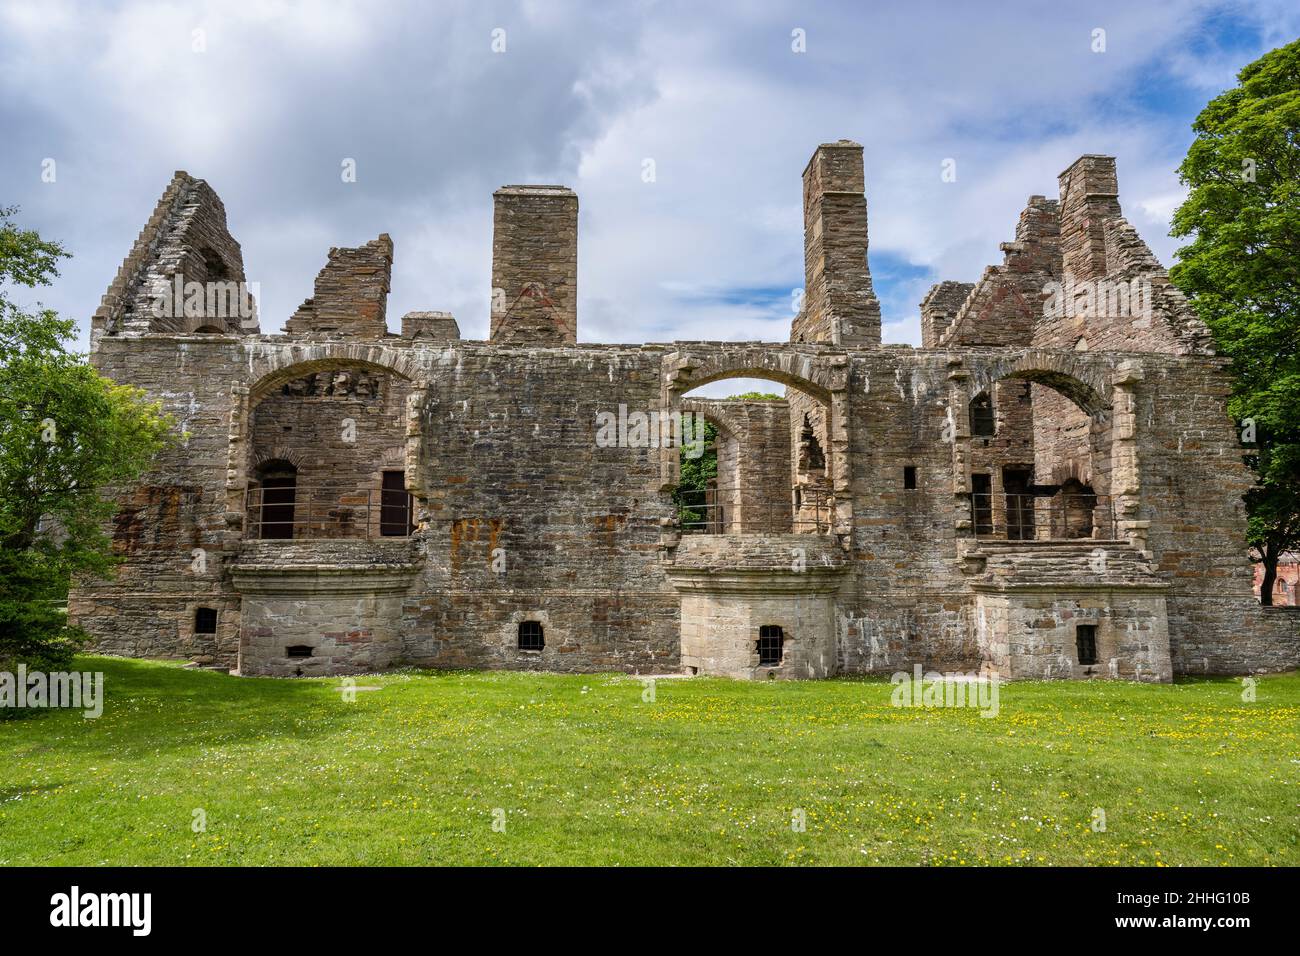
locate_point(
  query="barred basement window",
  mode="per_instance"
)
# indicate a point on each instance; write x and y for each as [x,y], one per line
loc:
[771,645]
[205,620]
[909,477]
[1085,641]
[297,650]
[531,637]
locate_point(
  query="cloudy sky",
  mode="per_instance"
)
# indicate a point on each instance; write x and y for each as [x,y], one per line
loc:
[269,99]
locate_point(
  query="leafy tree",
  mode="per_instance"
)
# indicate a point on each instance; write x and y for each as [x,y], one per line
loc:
[1241,272]
[66,435]
[697,474]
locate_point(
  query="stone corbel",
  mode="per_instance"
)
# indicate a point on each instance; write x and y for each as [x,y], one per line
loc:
[415,402]
[674,381]
[237,460]
[1125,471]
[957,426]
[841,479]
[970,559]
[670,536]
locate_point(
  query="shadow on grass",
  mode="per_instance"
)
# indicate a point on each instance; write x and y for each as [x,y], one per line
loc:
[153,706]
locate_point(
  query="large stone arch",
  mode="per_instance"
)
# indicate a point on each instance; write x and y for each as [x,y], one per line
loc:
[1101,386]
[278,453]
[1083,380]
[271,365]
[713,411]
[817,371]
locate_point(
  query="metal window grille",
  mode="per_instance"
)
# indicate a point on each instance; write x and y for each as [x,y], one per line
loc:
[1085,640]
[771,645]
[531,637]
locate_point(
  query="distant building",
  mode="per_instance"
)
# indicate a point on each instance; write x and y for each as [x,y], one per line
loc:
[1288,580]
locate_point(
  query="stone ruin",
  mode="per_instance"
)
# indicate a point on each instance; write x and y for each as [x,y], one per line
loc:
[1049,487]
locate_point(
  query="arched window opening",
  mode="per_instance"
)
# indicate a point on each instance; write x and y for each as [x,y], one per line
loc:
[1049,471]
[768,462]
[345,423]
[274,498]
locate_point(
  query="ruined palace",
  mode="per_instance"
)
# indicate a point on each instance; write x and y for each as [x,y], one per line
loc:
[1049,487]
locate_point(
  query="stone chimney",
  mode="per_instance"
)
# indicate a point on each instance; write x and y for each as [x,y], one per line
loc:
[839,304]
[939,308]
[535,265]
[1089,197]
[430,327]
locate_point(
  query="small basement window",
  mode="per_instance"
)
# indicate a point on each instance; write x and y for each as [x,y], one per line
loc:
[298,650]
[205,620]
[531,637]
[771,645]
[909,477]
[1085,642]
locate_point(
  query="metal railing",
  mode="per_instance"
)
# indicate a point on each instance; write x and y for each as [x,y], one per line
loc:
[1024,517]
[740,509]
[307,511]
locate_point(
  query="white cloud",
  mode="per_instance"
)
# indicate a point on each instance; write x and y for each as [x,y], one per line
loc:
[583,95]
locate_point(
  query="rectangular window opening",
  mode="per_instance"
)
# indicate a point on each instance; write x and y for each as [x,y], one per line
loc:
[771,645]
[531,636]
[981,487]
[205,620]
[395,506]
[909,477]
[1085,640]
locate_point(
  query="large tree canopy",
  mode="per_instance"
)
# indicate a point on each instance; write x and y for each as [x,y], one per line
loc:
[67,436]
[1241,272]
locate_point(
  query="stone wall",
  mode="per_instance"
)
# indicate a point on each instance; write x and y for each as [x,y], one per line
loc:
[314,608]
[340,430]
[523,515]
[351,294]
[733,586]
[185,241]
[527,516]
[432,328]
[939,307]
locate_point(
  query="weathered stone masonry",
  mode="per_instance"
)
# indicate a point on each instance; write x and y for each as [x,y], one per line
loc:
[1049,486]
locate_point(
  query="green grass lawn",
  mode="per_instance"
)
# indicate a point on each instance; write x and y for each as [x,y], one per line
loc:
[710,772]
